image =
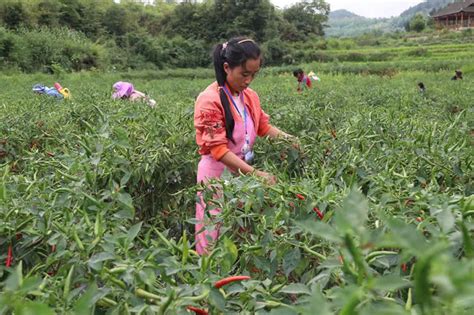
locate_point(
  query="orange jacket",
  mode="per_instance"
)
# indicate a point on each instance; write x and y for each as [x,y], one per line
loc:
[209,120]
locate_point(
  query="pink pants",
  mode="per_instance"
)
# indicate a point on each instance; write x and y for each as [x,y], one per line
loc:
[209,168]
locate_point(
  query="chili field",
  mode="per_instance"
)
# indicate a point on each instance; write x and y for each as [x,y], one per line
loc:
[374,215]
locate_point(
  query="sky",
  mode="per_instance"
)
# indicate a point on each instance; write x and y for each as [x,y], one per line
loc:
[367,8]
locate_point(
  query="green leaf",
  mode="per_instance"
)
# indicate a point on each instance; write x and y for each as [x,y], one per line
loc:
[126,199]
[84,304]
[315,302]
[30,284]
[353,214]
[406,236]
[321,230]
[33,308]
[445,218]
[100,257]
[296,288]
[291,260]
[390,283]
[283,311]
[133,232]
[217,299]
[230,254]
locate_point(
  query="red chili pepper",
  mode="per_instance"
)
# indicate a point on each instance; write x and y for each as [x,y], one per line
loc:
[255,270]
[318,212]
[228,280]
[341,259]
[8,263]
[197,310]
[404,267]
[300,196]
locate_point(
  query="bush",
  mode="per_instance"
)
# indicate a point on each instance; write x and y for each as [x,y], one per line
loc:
[277,52]
[39,49]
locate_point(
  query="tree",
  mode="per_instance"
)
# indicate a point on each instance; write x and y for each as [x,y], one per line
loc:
[13,14]
[417,23]
[241,18]
[48,13]
[308,17]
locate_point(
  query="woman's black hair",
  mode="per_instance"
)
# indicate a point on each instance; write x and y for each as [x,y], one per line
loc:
[235,52]
[297,72]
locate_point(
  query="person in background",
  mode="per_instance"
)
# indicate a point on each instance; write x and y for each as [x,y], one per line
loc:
[228,118]
[457,75]
[126,90]
[304,81]
[421,87]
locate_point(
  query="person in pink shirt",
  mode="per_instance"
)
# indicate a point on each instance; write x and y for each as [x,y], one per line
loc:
[227,118]
[126,90]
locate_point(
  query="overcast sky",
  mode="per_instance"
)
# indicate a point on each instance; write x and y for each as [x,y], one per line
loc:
[367,8]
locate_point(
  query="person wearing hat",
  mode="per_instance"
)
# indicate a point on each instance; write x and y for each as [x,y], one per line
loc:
[126,90]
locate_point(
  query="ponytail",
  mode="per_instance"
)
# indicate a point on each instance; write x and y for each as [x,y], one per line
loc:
[220,78]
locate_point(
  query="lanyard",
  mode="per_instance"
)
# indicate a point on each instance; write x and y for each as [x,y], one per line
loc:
[247,139]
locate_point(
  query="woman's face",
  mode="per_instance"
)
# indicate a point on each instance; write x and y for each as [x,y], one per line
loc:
[239,78]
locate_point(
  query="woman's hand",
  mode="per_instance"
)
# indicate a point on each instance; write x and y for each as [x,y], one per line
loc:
[267,177]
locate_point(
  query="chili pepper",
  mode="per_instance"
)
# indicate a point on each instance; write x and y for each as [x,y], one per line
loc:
[197,310]
[404,267]
[300,196]
[255,270]
[228,280]
[8,263]
[318,212]
[341,259]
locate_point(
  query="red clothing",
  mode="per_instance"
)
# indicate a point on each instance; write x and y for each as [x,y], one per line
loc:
[305,80]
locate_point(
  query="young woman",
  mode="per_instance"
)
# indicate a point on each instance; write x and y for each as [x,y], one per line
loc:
[227,119]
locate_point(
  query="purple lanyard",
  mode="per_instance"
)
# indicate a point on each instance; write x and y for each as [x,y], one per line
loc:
[247,139]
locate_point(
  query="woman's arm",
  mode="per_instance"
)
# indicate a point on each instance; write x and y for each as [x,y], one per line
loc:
[235,163]
[274,132]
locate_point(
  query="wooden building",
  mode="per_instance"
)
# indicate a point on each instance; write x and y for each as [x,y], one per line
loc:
[456,15]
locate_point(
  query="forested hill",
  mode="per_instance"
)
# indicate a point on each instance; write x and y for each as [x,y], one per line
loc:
[343,23]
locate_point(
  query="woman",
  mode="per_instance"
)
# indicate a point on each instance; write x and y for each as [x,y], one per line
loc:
[304,81]
[126,90]
[227,119]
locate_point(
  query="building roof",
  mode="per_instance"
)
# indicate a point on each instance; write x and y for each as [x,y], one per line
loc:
[456,7]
